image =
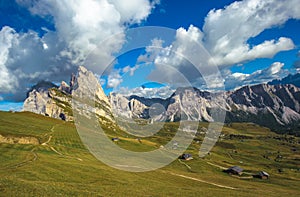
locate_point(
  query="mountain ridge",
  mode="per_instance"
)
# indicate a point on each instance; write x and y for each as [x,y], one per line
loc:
[290,79]
[273,106]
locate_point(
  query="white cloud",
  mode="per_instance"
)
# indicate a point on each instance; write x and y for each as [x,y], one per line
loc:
[114,79]
[152,51]
[130,70]
[24,60]
[133,11]
[228,30]
[274,71]
[180,63]
[102,82]
[7,37]
[243,53]
[87,23]
[80,26]
[226,33]
[161,92]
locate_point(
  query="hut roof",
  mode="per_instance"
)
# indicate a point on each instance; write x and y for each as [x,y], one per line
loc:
[263,173]
[236,169]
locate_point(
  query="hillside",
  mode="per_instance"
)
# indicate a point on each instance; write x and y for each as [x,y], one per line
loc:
[60,165]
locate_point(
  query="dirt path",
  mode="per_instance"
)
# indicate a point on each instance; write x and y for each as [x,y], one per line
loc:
[218,166]
[50,137]
[33,158]
[200,180]
[189,167]
[53,149]
[32,152]
[45,143]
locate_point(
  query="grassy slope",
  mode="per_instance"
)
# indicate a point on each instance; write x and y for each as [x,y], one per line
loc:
[71,170]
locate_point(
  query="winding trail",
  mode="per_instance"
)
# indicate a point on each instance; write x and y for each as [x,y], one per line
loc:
[218,166]
[200,180]
[189,167]
[53,149]
[34,156]
[32,152]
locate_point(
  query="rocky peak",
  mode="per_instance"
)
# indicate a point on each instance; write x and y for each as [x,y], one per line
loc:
[42,86]
[56,102]
[72,81]
[88,83]
[64,87]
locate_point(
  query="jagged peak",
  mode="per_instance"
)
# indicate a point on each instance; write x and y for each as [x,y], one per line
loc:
[82,69]
[42,86]
[63,83]
[64,87]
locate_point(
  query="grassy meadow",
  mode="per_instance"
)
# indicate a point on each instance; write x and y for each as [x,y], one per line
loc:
[61,165]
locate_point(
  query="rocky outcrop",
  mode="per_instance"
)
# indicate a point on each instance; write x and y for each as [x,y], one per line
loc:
[18,140]
[56,102]
[89,93]
[64,87]
[51,102]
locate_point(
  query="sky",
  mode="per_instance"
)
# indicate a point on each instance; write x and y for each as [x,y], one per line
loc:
[212,45]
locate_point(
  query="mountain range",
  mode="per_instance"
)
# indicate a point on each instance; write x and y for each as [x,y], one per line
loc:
[275,105]
[290,79]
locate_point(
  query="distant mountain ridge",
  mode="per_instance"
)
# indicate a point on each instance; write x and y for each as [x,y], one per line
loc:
[273,106]
[290,79]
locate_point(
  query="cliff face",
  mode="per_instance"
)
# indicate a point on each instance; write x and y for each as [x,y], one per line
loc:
[56,102]
[51,102]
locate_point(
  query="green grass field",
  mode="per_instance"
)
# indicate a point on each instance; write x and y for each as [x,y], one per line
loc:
[62,166]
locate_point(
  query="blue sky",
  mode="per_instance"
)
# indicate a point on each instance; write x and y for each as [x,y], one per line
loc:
[47,40]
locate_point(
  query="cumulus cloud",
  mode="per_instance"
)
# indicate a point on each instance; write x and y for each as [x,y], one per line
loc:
[184,62]
[225,35]
[274,71]
[133,11]
[152,51]
[7,37]
[228,30]
[80,27]
[130,70]
[161,92]
[25,60]
[114,79]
